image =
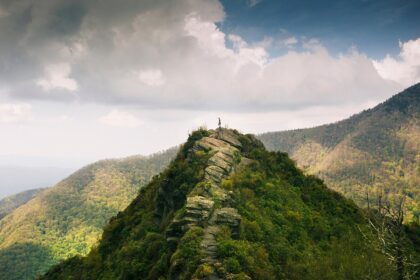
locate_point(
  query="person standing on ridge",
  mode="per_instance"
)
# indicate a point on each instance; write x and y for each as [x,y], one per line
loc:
[219,130]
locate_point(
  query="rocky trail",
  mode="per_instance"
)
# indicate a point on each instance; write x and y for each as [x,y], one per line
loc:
[211,207]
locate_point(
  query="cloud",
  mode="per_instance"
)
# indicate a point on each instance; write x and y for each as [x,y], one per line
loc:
[252,3]
[208,36]
[290,42]
[170,54]
[153,77]
[120,118]
[12,113]
[405,69]
[57,77]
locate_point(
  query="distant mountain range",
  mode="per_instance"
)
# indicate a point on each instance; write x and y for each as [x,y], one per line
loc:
[377,149]
[67,219]
[15,179]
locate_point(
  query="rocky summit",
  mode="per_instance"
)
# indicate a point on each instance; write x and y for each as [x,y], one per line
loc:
[209,206]
[226,208]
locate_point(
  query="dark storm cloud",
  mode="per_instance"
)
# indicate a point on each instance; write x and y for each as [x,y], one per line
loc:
[67,19]
[27,29]
[79,33]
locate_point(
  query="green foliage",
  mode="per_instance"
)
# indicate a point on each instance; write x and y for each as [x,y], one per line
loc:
[292,227]
[121,252]
[348,258]
[67,219]
[377,148]
[187,257]
[33,262]
[243,256]
[9,203]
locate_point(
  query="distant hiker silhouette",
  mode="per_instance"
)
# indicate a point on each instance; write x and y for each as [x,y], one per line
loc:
[219,129]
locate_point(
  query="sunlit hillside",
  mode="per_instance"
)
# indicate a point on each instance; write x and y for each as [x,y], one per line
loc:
[375,151]
[68,218]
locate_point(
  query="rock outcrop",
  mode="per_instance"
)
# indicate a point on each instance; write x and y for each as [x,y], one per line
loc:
[210,207]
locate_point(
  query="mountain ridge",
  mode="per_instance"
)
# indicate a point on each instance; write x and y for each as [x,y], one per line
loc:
[375,149]
[9,203]
[226,208]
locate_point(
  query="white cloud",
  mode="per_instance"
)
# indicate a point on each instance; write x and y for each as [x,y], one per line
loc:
[405,69]
[290,42]
[212,41]
[57,77]
[246,54]
[170,59]
[165,54]
[120,118]
[208,36]
[11,113]
[252,3]
[152,77]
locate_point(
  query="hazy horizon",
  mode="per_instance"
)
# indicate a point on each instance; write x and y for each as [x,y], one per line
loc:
[84,81]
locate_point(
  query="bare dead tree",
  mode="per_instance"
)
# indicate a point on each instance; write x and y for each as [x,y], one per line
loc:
[386,220]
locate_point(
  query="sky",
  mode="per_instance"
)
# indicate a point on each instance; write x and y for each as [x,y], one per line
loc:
[86,80]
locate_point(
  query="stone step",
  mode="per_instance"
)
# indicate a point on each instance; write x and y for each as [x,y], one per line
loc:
[208,243]
[201,214]
[209,239]
[213,277]
[214,173]
[211,249]
[229,137]
[209,260]
[219,160]
[199,202]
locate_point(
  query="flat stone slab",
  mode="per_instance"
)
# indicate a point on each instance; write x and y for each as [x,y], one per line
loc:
[229,137]
[221,163]
[228,216]
[199,202]
[213,144]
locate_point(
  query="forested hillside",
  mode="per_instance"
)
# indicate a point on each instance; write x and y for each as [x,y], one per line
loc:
[68,218]
[12,202]
[376,151]
[226,208]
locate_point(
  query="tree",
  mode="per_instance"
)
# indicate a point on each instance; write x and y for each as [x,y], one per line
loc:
[386,220]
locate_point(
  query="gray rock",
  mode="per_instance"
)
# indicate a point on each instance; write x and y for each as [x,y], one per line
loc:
[230,137]
[199,202]
[209,143]
[223,160]
[228,216]
[215,173]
